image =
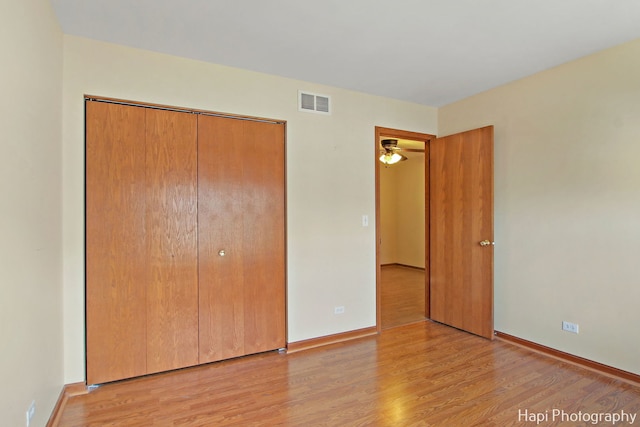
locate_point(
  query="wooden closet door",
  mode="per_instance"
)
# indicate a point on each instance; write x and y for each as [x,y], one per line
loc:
[171,240]
[116,253]
[241,213]
[263,237]
[220,210]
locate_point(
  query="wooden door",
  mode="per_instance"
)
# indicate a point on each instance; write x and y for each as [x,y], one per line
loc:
[220,210]
[241,237]
[171,239]
[141,241]
[461,216]
[116,250]
[264,237]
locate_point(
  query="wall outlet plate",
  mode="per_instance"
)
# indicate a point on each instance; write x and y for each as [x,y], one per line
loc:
[570,327]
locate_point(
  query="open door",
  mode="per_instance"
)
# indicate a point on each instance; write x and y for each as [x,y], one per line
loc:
[461,231]
[382,132]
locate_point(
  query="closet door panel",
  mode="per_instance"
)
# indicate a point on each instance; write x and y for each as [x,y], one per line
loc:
[220,212]
[264,236]
[116,255]
[171,229]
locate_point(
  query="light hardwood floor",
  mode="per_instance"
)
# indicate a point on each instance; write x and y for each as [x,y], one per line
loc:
[402,295]
[422,374]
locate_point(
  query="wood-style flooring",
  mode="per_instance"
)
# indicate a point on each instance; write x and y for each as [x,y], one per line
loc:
[422,374]
[401,295]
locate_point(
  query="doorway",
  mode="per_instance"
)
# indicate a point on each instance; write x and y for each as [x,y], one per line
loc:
[458,232]
[402,232]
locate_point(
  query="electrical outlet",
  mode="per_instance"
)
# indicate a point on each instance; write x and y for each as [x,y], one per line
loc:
[338,309]
[570,327]
[31,411]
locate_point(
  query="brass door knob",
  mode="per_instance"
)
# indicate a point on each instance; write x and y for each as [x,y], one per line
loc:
[221,252]
[487,243]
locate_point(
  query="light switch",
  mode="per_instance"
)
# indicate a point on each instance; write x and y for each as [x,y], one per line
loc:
[365,220]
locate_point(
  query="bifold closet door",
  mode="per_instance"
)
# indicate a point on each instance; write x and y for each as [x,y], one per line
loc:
[241,237]
[172,240]
[116,248]
[141,241]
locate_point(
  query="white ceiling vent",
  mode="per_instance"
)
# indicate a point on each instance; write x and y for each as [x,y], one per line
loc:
[314,103]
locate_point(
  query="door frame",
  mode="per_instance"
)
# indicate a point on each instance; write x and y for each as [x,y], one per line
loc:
[415,136]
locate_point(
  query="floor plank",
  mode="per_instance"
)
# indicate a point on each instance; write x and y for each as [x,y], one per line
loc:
[422,374]
[402,295]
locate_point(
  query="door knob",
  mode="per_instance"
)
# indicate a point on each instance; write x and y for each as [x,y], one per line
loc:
[221,252]
[487,243]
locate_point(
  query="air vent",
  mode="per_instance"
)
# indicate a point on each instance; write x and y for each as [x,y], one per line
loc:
[314,103]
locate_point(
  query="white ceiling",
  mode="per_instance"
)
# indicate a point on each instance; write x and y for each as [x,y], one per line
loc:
[431,52]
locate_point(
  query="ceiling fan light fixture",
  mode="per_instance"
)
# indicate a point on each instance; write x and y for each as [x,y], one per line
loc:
[389,156]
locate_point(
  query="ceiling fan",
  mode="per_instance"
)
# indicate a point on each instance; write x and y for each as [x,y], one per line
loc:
[389,153]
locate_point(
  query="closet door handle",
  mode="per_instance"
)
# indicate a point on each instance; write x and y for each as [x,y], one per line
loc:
[221,252]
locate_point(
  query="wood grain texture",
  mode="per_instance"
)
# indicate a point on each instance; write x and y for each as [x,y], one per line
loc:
[461,215]
[181,109]
[567,357]
[241,211]
[423,374]
[148,309]
[303,345]
[402,290]
[427,228]
[69,390]
[264,237]
[142,289]
[220,213]
[116,252]
[171,239]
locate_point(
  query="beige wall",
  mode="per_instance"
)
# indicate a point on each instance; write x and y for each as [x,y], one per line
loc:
[330,174]
[31,359]
[388,215]
[402,200]
[567,203]
[410,219]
